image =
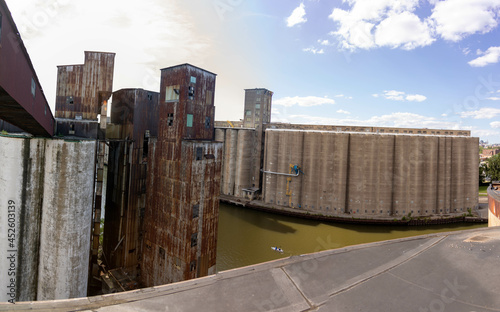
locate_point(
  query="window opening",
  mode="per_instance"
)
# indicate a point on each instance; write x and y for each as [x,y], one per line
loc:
[192,266]
[191,93]
[172,93]
[196,211]
[189,120]
[199,153]
[193,79]
[33,87]
[207,122]
[170,120]
[194,239]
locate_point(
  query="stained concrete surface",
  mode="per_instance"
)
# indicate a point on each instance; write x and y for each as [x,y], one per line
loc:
[456,271]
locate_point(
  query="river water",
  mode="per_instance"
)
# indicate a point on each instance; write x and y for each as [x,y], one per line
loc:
[246,236]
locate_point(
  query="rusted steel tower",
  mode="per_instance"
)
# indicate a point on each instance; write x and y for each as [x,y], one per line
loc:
[184,170]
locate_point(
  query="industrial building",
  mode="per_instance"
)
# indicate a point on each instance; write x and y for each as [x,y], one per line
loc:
[155,166]
[349,171]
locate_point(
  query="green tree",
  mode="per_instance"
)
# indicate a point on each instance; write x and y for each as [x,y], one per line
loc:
[483,169]
[493,167]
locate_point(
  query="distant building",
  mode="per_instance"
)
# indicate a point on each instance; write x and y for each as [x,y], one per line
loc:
[257,107]
[491,152]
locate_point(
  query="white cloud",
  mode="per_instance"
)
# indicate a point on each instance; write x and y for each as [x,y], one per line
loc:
[483,113]
[314,50]
[375,23]
[455,19]
[343,96]
[491,56]
[384,23]
[306,101]
[401,96]
[394,95]
[404,30]
[495,125]
[325,42]
[493,98]
[297,17]
[341,111]
[416,98]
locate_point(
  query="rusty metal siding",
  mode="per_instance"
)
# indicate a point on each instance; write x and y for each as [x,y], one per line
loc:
[200,106]
[177,186]
[88,84]
[18,105]
[134,113]
[184,172]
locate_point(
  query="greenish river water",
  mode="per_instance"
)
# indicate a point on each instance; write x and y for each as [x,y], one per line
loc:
[246,236]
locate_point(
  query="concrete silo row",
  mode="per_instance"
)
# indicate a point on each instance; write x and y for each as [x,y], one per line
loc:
[371,174]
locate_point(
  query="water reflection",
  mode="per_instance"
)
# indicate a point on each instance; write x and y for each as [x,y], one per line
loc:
[246,236]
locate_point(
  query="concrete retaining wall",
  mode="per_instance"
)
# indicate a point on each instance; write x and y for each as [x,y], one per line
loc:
[46,188]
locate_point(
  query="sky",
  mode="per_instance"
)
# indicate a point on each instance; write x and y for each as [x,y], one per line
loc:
[405,63]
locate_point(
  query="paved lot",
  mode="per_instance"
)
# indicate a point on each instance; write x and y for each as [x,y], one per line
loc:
[457,271]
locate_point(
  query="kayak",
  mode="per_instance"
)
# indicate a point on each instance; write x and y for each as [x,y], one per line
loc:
[277,249]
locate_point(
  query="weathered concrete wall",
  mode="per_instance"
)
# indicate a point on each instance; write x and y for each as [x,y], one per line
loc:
[66,219]
[371,175]
[241,164]
[21,182]
[47,187]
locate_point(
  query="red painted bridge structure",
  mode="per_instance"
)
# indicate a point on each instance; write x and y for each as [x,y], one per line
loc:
[22,101]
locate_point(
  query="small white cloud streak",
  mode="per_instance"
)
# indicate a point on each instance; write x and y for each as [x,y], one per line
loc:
[491,56]
[314,51]
[297,16]
[483,113]
[401,96]
[495,125]
[306,101]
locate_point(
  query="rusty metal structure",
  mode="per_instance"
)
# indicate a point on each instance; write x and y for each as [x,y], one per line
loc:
[82,94]
[134,119]
[184,165]
[22,102]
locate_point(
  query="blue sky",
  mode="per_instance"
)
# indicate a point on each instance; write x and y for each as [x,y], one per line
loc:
[407,63]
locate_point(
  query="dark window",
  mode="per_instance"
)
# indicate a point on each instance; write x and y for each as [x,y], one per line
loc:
[69,100]
[192,266]
[33,87]
[170,120]
[199,153]
[0,27]
[194,239]
[196,211]
[145,145]
[150,96]
[191,93]
[161,252]
[207,122]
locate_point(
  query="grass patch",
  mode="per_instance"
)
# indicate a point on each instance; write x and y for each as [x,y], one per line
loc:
[483,190]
